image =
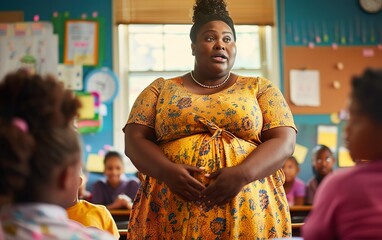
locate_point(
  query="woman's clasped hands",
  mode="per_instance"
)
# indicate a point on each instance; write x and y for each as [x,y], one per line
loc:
[193,184]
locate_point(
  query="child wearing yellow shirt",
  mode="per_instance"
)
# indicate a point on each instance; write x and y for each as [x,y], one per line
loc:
[92,215]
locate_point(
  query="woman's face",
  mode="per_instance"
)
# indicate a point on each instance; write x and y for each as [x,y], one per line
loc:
[214,49]
[113,170]
[363,135]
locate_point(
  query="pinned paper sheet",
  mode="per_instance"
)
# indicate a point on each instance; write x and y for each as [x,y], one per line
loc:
[94,163]
[90,120]
[71,76]
[300,153]
[327,135]
[305,87]
[344,158]
[87,109]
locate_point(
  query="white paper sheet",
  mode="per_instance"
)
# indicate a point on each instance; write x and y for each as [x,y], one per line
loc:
[305,87]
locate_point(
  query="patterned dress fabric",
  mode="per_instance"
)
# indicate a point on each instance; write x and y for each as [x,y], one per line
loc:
[212,131]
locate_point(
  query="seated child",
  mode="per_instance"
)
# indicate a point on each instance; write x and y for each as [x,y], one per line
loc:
[83,193]
[116,190]
[36,133]
[294,187]
[322,163]
[348,202]
[92,215]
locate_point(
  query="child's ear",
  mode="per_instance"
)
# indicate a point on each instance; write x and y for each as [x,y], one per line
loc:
[65,178]
[81,180]
[193,49]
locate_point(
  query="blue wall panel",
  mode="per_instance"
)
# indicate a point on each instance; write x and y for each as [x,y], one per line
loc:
[75,8]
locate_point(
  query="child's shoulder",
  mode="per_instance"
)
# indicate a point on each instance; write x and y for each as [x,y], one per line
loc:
[299,181]
[91,206]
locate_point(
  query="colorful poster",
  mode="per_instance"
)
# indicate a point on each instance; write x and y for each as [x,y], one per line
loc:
[81,42]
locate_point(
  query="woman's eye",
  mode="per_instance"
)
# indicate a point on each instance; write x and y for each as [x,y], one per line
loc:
[210,39]
[227,39]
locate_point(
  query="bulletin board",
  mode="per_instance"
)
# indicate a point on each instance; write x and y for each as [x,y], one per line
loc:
[334,65]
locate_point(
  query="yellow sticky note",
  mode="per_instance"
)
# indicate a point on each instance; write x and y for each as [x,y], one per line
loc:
[87,110]
[344,158]
[300,153]
[94,163]
[327,135]
[335,118]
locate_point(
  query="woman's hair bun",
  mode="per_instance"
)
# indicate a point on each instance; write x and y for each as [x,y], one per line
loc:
[204,8]
[209,10]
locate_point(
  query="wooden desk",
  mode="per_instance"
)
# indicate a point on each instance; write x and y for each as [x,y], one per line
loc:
[122,234]
[302,208]
[299,213]
[121,217]
[120,212]
[296,229]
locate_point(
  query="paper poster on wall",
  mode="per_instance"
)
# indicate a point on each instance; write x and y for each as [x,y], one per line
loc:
[305,87]
[90,119]
[81,42]
[30,46]
[300,152]
[327,135]
[344,158]
[71,76]
[94,163]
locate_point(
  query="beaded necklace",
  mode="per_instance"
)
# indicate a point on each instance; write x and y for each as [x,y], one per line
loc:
[212,86]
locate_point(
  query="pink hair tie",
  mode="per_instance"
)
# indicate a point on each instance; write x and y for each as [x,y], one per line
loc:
[20,124]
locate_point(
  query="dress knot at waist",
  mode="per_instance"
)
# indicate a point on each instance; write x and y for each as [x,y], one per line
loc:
[217,132]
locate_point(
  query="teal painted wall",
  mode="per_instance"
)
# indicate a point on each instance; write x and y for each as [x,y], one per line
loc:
[323,22]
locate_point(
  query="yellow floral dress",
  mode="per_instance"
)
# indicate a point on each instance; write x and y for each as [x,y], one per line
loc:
[212,131]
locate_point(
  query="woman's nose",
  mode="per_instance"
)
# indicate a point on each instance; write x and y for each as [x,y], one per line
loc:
[219,45]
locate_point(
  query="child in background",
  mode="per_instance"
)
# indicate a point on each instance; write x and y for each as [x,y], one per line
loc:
[116,190]
[348,202]
[322,164]
[91,215]
[83,193]
[40,157]
[294,187]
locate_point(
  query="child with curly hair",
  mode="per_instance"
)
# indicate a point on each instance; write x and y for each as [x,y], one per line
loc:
[40,158]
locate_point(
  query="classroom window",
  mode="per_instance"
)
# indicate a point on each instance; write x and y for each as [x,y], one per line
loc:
[147,52]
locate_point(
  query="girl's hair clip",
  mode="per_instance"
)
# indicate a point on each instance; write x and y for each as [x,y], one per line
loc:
[20,124]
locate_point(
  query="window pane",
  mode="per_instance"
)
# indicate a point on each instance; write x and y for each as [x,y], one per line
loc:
[248,48]
[178,54]
[145,48]
[167,47]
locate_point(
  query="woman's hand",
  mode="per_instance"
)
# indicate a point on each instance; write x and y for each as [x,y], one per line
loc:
[224,185]
[179,178]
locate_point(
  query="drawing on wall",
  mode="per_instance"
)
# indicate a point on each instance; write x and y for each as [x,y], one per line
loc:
[32,46]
